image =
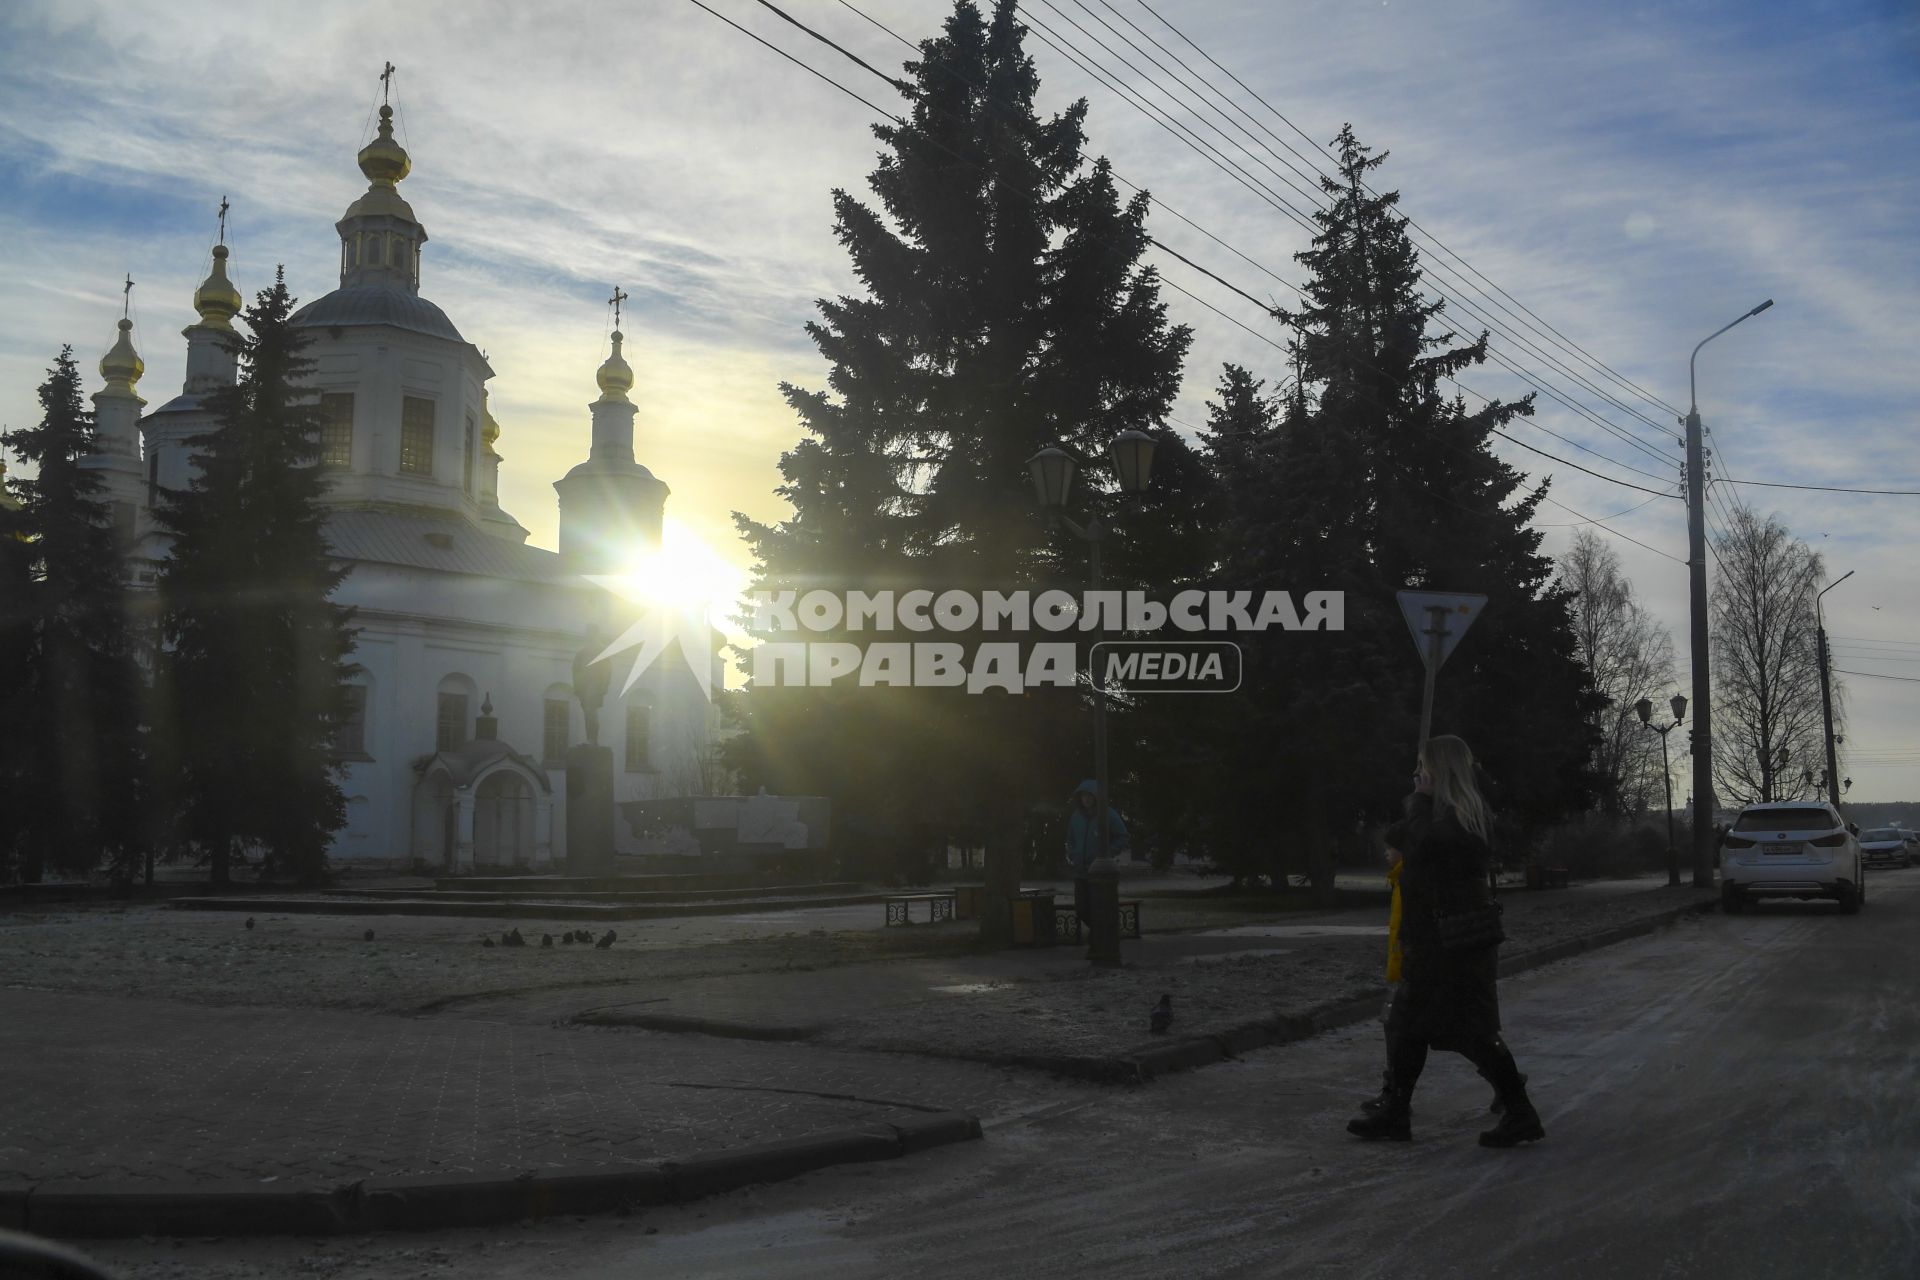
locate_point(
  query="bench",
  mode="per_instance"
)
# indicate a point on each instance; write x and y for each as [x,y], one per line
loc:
[1066,921]
[900,907]
[1539,877]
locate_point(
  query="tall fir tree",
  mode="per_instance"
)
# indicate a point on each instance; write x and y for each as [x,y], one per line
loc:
[70,757]
[1005,310]
[1377,481]
[255,647]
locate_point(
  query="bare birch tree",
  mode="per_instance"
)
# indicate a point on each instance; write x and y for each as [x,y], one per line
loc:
[1631,657]
[1766,669]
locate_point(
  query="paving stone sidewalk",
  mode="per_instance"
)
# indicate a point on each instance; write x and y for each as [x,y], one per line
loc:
[118,1089]
[1051,1009]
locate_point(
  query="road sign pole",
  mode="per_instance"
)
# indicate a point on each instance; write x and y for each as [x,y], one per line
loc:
[1448,614]
[1436,637]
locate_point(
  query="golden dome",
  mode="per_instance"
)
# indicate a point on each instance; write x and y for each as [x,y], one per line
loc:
[122,366]
[383,160]
[217,301]
[616,375]
[490,428]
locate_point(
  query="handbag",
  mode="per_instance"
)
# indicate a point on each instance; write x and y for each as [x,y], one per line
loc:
[1471,930]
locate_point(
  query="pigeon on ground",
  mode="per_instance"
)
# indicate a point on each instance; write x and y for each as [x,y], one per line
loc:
[546,939]
[368,935]
[249,922]
[1162,1015]
[486,942]
[513,938]
[567,937]
[606,941]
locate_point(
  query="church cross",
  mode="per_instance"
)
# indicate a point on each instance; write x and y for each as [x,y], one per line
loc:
[126,301]
[618,297]
[223,219]
[386,81]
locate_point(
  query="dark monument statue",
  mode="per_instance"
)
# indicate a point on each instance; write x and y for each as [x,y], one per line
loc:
[590,768]
[591,680]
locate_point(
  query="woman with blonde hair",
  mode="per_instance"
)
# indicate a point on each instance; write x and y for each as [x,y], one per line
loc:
[1449,939]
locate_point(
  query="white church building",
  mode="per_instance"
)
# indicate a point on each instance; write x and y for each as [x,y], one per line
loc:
[463,708]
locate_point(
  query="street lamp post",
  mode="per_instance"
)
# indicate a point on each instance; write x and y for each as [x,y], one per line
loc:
[1697,591]
[1826,691]
[1645,708]
[1052,471]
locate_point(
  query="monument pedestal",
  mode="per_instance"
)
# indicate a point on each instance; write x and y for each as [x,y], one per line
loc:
[589,811]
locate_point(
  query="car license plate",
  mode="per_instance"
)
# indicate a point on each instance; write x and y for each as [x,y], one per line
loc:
[1783,848]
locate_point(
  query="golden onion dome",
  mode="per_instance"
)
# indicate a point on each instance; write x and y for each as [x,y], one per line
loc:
[616,375]
[217,301]
[489,426]
[122,365]
[383,160]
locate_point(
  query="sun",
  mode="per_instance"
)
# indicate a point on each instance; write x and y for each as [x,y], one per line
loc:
[683,573]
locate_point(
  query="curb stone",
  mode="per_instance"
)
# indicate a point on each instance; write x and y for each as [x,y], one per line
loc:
[531,910]
[1145,1063]
[692,1024]
[95,1209]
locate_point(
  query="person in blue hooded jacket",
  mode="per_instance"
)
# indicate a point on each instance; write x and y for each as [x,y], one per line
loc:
[1083,841]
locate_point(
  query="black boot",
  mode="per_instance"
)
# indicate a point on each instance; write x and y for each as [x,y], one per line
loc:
[1380,1099]
[1497,1106]
[1391,1114]
[1519,1122]
[1392,1118]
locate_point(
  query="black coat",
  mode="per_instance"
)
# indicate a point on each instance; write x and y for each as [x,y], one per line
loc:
[1450,997]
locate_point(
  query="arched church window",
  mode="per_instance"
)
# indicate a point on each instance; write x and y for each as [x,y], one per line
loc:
[639,745]
[350,731]
[466,459]
[416,436]
[453,705]
[336,430]
[556,726]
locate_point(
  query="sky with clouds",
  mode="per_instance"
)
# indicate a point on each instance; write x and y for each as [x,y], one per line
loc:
[1635,175]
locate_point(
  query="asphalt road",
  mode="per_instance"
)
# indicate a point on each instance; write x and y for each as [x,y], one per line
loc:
[1732,1097]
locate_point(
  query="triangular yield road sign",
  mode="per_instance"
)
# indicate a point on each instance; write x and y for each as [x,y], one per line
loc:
[1451,612]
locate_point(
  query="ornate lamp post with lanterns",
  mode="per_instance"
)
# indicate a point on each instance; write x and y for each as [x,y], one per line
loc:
[1053,471]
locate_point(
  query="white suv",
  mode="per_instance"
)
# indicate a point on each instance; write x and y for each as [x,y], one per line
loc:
[1791,849]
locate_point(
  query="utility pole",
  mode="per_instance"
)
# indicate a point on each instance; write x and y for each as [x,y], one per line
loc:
[1703,803]
[1826,692]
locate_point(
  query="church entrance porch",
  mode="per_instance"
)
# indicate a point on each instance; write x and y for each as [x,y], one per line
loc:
[503,821]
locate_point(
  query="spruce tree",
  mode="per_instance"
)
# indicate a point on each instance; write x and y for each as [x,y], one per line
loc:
[255,647]
[1378,481]
[1005,310]
[70,766]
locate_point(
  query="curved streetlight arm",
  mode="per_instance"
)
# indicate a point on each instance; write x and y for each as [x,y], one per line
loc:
[1693,396]
[1830,586]
[1092,531]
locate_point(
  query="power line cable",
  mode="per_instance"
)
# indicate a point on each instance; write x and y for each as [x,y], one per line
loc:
[1499,358]
[796,62]
[1829,488]
[1615,532]
[1318,147]
[1435,266]
[1876,675]
[1223,315]
[888,115]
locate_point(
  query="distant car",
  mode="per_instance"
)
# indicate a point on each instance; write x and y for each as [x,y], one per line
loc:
[1886,846]
[1791,849]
